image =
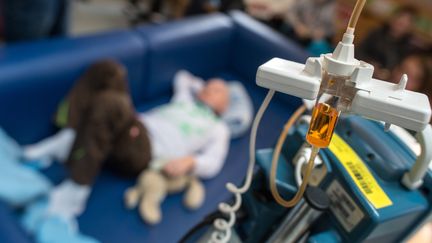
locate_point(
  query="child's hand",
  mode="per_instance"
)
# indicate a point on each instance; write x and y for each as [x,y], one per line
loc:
[179,167]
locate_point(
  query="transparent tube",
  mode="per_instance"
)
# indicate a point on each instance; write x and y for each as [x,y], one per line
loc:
[299,195]
[355,15]
[273,188]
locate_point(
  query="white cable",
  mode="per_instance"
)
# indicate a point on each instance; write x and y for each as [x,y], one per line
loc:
[301,158]
[220,224]
[298,170]
[305,119]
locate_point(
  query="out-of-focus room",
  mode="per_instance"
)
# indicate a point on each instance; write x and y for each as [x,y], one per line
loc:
[215,121]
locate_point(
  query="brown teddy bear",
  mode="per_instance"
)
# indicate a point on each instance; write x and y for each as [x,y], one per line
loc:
[152,188]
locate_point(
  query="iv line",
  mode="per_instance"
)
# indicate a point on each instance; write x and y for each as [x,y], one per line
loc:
[356,13]
[298,196]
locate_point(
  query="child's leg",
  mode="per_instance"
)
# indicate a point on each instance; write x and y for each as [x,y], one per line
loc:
[56,147]
[68,199]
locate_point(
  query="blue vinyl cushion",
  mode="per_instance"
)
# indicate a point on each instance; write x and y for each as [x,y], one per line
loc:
[199,45]
[10,228]
[35,76]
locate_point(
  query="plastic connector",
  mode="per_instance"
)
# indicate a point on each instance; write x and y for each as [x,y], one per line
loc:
[342,62]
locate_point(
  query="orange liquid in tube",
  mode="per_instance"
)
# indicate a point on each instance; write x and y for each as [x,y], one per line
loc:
[323,123]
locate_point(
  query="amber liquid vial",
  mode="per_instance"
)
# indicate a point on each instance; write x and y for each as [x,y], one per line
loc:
[323,123]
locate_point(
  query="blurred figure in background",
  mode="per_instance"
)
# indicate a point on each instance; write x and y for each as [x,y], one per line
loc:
[309,21]
[268,10]
[227,5]
[196,7]
[158,11]
[388,45]
[418,67]
[34,19]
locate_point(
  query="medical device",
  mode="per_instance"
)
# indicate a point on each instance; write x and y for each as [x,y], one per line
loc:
[339,84]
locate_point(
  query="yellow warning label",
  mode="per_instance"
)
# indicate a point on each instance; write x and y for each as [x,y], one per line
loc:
[360,174]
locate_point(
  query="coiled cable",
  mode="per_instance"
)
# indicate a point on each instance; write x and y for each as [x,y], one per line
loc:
[223,233]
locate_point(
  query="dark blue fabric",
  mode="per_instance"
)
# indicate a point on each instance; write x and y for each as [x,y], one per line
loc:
[10,229]
[199,44]
[36,76]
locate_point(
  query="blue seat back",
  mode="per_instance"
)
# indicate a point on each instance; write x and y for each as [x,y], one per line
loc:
[254,44]
[199,44]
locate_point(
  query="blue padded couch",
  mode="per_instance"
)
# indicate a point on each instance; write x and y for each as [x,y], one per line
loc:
[35,76]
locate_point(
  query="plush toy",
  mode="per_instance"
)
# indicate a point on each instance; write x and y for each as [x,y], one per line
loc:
[152,188]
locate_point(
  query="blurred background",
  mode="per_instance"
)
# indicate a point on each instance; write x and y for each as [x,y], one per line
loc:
[393,35]
[77,17]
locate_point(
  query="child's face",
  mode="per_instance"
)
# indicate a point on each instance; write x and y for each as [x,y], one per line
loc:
[215,94]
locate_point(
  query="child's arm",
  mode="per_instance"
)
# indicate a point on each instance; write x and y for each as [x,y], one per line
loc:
[210,160]
[185,85]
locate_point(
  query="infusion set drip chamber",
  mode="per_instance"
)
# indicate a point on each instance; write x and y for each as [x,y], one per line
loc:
[323,123]
[335,96]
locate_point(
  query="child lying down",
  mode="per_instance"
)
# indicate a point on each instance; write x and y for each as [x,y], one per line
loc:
[187,135]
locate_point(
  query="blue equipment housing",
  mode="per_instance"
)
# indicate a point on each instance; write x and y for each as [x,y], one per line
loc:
[352,217]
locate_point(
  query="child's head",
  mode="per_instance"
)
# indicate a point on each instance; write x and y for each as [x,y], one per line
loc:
[215,94]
